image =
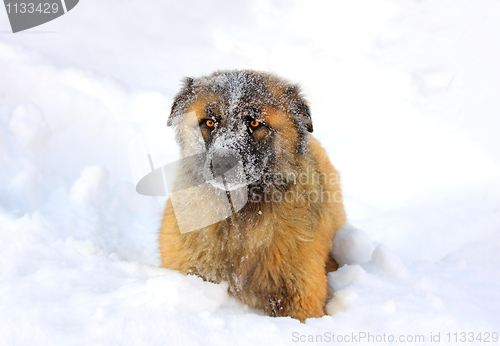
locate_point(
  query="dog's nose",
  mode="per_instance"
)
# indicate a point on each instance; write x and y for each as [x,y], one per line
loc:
[223,163]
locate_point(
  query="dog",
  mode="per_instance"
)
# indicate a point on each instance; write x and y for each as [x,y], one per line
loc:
[257,201]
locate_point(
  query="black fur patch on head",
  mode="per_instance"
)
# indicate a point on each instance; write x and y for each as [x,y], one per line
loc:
[300,109]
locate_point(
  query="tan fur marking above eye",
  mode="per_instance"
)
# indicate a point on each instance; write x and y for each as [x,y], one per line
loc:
[201,104]
[282,122]
[276,119]
[199,107]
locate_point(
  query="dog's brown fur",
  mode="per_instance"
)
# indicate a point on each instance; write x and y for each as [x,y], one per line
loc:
[274,255]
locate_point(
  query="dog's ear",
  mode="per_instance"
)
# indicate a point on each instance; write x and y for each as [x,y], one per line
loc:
[300,109]
[181,100]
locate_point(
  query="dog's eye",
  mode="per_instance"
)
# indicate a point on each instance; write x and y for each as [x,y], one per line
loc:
[254,123]
[210,123]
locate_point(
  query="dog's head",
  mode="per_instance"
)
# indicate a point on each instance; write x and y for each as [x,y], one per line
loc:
[248,124]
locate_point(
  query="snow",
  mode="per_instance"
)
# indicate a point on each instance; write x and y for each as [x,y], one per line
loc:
[352,246]
[403,97]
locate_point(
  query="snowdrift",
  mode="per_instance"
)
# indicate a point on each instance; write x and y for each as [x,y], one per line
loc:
[403,96]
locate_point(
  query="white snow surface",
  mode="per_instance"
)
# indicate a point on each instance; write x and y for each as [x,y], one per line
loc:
[403,97]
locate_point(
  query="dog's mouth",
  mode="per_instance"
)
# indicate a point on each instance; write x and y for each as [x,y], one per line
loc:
[225,185]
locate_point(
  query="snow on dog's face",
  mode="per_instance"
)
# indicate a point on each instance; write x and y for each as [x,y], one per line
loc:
[246,124]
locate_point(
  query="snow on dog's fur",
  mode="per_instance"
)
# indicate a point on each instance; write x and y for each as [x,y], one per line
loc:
[253,132]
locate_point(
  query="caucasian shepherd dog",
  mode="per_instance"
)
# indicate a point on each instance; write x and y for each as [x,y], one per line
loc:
[255,201]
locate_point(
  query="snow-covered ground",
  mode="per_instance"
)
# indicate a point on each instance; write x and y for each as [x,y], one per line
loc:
[403,95]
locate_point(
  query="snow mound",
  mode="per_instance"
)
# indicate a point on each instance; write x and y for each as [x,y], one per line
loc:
[352,246]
